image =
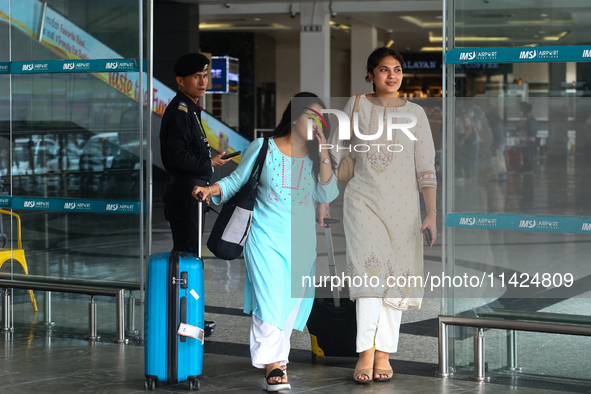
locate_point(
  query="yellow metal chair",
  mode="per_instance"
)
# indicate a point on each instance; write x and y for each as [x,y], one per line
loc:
[17,255]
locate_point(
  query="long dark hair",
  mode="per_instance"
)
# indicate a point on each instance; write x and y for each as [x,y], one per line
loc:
[376,57]
[291,114]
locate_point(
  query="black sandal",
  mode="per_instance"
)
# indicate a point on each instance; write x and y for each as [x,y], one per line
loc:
[275,386]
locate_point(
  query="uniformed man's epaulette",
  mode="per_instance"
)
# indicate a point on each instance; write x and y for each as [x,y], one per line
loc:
[183,107]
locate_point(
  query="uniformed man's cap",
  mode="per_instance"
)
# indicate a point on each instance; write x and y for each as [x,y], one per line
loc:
[191,63]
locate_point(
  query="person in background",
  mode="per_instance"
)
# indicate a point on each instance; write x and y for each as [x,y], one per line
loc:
[465,138]
[186,154]
[530,125]
[498,143]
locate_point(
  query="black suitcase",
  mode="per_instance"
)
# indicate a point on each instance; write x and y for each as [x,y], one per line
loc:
[333,322]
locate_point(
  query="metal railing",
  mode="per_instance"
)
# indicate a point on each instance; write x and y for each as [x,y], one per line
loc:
[511,325]
[77,286]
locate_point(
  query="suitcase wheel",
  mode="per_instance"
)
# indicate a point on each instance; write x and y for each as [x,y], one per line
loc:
[195,384]
[150,384]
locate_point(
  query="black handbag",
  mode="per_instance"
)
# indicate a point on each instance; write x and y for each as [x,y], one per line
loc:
[232,226]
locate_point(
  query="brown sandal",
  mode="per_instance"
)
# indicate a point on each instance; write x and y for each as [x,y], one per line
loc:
[360,372]
[388,372]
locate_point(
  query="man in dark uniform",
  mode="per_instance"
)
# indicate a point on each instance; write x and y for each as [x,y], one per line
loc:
[186,154]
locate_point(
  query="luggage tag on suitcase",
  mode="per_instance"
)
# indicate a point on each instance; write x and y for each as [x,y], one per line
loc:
[188,330]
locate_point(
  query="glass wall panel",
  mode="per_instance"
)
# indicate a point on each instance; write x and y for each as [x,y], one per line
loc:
[518,139]
[74,136]
[70,160]
[520,23]
[74,29]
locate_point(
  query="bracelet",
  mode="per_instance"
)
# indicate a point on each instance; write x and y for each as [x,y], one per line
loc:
[432,209]
[210,193]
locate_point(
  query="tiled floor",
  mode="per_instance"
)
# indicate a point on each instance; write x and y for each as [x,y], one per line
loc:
[56,365]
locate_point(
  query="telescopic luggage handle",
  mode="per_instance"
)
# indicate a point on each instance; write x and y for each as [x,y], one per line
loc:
[200,225]
[328,221]
[336,293]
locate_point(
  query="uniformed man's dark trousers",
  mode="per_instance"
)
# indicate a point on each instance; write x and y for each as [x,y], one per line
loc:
[181,210]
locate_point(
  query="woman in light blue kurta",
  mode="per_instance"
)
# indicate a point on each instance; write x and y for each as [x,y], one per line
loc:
[281,246]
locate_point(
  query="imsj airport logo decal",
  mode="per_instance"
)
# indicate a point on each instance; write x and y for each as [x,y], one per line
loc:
[539,54]
[528,54]
[527,224]
[468,55]
[36,204]
[468,221]
[479,55]
[482,222]
[36,67]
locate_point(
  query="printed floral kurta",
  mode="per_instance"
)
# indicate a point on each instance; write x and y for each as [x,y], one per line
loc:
[381,217]
[283,222]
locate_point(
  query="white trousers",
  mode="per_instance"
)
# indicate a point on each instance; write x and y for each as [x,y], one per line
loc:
[377,325]
[270,344]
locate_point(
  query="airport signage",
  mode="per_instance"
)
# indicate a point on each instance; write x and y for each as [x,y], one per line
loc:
[70,205]
[224,75]
[71,66]
[571,53]
[498,221]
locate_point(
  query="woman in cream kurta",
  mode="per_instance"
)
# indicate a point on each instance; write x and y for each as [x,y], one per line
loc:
[381,214]
[382,217]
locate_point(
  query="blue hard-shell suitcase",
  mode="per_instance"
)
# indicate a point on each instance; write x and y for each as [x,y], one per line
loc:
[174,295]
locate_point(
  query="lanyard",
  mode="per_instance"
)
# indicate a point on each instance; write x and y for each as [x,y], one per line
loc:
[203,132]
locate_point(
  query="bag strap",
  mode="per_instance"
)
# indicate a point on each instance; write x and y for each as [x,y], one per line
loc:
[355,107]
[258,164]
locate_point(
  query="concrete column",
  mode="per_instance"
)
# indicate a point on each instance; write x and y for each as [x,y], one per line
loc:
[364,39]
[315,49]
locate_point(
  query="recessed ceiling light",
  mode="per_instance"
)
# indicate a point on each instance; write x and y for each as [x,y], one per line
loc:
[543,15]
[439,17]
[421,23]
[434,38]
[557,37]
[257,19]
[429,49]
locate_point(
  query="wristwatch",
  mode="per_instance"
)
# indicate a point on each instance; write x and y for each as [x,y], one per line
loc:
[325,161]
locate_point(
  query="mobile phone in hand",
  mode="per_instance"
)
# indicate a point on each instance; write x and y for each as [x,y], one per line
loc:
[229,155]
[427,234]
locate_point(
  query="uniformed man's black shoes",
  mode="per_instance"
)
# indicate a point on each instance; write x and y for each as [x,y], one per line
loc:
[209,328]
